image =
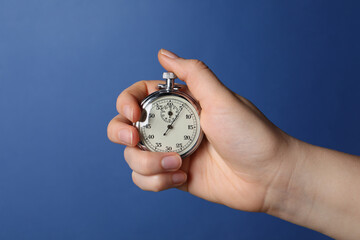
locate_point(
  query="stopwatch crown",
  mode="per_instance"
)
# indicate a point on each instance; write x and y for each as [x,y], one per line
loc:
[169,83]
[169,75]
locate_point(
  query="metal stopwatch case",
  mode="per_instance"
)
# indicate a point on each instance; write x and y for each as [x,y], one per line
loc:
[170,120]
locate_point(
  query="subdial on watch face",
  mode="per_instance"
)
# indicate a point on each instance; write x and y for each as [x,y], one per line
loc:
[168,111]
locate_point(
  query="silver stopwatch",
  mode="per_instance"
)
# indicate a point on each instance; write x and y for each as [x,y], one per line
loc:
[170,120]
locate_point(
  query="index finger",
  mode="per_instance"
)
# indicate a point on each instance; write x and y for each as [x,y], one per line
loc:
[128,102]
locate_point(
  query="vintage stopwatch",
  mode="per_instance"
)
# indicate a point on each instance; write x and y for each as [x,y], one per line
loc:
[170,120]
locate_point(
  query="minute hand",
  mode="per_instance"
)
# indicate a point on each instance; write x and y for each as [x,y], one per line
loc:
[170,126]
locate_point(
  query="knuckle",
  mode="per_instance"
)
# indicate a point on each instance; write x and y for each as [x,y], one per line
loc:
[121,99]
[141,83]
[135,181]
[146,165]
[158,185]
[118,101]
[134,178]
[198,64]
[157,190]
[128,92]
[109,129]
[127,154]
[141,163]
[132,160]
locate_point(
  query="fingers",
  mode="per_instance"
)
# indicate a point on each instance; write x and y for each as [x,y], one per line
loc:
[120,131]
[155,171]
[159,182]
[150,163]
[128,102]
[201,81]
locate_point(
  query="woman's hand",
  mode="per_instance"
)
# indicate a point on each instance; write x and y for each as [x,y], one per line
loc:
[244,161]
[238,160]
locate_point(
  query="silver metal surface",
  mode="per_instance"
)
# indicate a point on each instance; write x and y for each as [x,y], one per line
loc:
[169,75]
[170,82]
[170,89]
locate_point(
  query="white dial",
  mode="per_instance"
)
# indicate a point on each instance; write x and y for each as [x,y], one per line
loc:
[171,124]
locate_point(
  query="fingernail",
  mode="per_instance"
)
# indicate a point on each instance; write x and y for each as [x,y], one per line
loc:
[128,112]
[171,162]
[125,136]
[168,53]
[178,178]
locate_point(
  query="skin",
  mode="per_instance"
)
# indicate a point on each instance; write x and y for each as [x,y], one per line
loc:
[251,166]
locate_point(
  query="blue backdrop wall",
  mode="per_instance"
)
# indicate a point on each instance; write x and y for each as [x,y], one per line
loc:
[63,63]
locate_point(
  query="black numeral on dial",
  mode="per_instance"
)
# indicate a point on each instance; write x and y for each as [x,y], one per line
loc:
[187,137]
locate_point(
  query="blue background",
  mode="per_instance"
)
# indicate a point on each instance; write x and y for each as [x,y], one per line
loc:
[63,63]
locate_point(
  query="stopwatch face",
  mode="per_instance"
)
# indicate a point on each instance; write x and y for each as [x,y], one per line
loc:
[170,123]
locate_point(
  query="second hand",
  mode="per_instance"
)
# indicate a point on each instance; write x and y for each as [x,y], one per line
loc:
[171,125]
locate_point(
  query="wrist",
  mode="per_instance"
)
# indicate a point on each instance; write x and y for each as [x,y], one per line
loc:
[291,193]
[315,187]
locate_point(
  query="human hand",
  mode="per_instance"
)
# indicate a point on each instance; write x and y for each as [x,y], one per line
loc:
[236,163]
[244,161]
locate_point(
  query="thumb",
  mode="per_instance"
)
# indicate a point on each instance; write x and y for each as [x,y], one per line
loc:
[201,81]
